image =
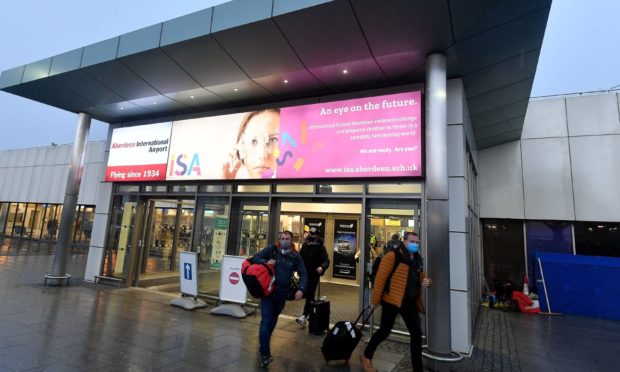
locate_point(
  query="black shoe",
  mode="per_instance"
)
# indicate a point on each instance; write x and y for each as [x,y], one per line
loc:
[265,360]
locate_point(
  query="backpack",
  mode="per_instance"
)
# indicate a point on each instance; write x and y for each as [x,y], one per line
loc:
[258,278]
[389,246]
[375,268]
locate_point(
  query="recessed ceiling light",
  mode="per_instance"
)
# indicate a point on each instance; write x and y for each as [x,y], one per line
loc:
[285,81]
[236,90]
[122,108]
[154,102]
[345,71]
[192,97]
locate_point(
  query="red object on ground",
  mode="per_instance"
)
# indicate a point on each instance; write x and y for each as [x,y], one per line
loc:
[524,303]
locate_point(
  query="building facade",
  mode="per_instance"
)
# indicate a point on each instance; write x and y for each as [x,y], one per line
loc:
[471,67]
[554,190]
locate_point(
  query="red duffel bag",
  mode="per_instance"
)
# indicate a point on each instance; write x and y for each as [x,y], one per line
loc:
[258,278]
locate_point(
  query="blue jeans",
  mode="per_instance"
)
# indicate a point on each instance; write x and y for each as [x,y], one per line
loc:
[270,308]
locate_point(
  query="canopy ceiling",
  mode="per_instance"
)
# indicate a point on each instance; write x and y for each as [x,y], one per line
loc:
[260,51]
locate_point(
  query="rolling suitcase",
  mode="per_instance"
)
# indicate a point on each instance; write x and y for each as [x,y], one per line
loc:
[342,339]
[318,318]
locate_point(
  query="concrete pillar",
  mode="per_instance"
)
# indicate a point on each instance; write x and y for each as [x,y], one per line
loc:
[58,276]
[437,211]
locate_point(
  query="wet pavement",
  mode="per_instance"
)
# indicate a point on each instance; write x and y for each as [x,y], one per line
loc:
[87,327]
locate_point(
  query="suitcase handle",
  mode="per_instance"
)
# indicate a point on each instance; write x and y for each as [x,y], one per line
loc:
[364,321]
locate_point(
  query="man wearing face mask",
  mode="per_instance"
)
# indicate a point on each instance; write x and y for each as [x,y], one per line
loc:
[287,261]
[397,288]
[315,258]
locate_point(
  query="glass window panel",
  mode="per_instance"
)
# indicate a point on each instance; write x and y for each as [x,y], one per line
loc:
[253,188]
[20,214]
[546,236]
[84,228]
[29,220]
[116,261]
[184,188]
[184,230]
[57,219]
[395,188]
[216,188]
[211,239]
[4,213]
[157,188]
[249,227]
[295,189]
[127,188]
[10,222]
[597,238]
[50,222]
[341,189]
[503,251]
[37,227]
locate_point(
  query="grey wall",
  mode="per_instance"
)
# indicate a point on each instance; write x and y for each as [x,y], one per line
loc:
[463,302]
[565,167]
[39,175]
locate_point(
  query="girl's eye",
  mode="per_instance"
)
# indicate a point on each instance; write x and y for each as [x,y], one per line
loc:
[273,140]
[254,142]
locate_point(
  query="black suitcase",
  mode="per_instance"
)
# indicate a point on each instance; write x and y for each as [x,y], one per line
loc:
[342,339]
[319,317]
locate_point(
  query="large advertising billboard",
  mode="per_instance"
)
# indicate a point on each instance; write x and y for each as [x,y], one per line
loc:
[359,138]
[139,153]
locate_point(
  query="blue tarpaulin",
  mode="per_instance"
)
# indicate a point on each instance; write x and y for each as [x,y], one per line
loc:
[580,285]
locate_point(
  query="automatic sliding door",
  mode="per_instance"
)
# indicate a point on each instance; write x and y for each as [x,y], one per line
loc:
[167,232]
[385,218]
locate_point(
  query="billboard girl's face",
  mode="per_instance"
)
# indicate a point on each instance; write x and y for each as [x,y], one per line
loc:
[258,143]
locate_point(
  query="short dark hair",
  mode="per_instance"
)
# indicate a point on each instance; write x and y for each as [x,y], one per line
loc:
[286,232]
[408,233]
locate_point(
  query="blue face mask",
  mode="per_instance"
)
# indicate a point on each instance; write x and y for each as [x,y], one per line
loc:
[413,247]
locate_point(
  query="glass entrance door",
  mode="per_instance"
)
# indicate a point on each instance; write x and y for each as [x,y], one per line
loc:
[167,232]
[386,219]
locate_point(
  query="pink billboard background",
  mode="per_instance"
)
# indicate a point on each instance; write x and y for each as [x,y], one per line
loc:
[367,137]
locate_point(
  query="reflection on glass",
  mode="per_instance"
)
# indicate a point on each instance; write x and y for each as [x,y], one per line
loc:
[29,220]
[186,219]
[160,235]
[212,228]
[4,212]
[116,262]
[12,215]
[18,219]
[50,223]
[168,232]
[254,227]
[84,225]
[37,221]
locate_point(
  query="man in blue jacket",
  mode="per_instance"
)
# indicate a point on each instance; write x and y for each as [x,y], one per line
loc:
[286,261]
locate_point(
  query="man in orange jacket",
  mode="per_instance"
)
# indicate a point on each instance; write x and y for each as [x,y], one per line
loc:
[398,287]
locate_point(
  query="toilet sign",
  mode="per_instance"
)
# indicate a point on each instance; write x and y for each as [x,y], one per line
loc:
[188,266]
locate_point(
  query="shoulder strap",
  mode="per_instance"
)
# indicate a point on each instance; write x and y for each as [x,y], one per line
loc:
[388,281]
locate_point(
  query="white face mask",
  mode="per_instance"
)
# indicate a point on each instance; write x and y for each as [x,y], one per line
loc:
[285,247]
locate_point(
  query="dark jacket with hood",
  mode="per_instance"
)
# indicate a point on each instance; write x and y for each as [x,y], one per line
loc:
[286,265]
[314,254]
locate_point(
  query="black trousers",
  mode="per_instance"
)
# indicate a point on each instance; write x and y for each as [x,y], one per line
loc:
[313,282]
[410,315]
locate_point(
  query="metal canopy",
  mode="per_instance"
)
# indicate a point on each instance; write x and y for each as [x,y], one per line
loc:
[242,52]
